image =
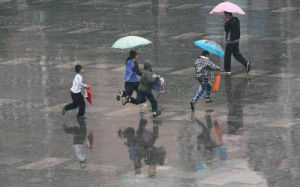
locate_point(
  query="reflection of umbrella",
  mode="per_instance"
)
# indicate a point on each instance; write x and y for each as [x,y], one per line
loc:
[227,7]
[210,46]
[130,42]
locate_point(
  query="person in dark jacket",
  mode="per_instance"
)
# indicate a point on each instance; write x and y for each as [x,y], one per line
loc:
[131,76]
[147,81]
[232,29]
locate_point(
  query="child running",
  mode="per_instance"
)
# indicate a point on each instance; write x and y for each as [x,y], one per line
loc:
[147,81]
[203,68]
[78,100]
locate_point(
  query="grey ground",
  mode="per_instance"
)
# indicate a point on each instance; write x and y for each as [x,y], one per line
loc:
[42,40]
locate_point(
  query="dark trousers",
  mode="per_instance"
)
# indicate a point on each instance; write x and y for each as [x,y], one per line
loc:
[129,88]
[142,97]
[78,101]
[233,49]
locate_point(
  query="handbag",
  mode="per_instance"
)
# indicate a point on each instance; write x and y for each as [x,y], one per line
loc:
[88,95]
[217,82]
[159,85]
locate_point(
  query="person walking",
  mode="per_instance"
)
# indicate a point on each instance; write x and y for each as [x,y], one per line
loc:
[203,69]
[232,29]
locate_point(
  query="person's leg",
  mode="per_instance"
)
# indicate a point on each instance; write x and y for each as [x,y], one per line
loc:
[73,105]
[139,99]
[152,100]
[199,93]
[129,88]
[237,55]
[207,90]
[197,96]
[81,104]
[135,87]
[227,58]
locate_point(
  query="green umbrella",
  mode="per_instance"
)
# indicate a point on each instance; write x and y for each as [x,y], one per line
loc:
[130,42]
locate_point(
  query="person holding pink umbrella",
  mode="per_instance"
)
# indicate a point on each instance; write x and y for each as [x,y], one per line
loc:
[232,29]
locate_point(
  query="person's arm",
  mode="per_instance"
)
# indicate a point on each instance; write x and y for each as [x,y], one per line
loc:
[155,78]
[213,66]
[79,81]
[136,69]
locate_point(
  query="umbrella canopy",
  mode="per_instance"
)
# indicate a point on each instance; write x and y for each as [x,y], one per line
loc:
[130,42]
[210,46]
[227,7]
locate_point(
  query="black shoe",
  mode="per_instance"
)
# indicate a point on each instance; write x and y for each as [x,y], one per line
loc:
[156,114]
[248,67]
[193,106]
[208,100]
[118,97]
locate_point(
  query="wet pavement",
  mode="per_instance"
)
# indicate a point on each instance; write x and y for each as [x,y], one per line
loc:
[249,135]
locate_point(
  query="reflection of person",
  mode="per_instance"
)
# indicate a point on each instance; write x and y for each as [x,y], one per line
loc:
[131,75]
[235,108]
[232,29]
[78,100]
[148,79]
[203,67]
[80,142]
[141,147]
[211,149]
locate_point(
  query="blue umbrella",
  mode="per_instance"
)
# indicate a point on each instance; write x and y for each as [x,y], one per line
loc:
[210,46]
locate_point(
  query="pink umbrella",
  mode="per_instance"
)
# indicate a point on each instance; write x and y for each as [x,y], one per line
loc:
[227,7]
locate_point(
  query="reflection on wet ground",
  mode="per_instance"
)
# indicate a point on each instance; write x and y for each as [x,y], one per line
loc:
[247,137]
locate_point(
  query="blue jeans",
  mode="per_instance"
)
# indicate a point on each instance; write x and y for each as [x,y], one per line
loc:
[205,86]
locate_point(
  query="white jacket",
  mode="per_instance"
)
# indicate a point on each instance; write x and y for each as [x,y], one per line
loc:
[77,84]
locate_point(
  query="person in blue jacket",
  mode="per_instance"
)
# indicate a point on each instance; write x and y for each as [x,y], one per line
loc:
[131,76]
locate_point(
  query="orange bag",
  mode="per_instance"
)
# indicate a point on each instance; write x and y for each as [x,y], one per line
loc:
[217,83]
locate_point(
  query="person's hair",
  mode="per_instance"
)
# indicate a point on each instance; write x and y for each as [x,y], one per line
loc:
[229,13]
[78,68]
[132,55]
[205,53]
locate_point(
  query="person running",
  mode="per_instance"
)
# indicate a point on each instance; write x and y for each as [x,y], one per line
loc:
[203,69]
[78,100]
[232,29]
[148,79]
[131,76]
